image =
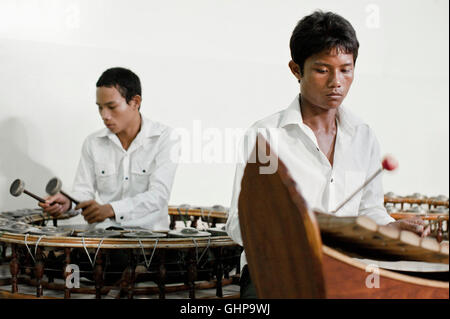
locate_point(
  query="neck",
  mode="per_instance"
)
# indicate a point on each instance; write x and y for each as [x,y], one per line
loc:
[127,136]
[317,118]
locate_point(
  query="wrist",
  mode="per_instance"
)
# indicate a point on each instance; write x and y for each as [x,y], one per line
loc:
[111,214]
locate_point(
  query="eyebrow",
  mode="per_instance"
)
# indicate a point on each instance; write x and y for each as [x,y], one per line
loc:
[329,65]
[107,103]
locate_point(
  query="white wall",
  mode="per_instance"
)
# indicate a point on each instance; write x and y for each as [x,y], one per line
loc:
[223,63]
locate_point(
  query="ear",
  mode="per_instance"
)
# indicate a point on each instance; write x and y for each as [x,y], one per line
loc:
[136,101]
[295,69]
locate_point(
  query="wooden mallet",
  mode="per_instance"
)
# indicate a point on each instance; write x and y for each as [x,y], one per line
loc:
[18,187]
[54,187]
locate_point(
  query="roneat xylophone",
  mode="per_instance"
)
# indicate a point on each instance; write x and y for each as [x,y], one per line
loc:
[434,210]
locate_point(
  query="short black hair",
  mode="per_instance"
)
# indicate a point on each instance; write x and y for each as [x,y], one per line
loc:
[322,31]
[124,80]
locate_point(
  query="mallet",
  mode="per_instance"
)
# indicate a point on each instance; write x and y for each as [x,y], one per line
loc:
[18,187]
[54,187]
[389,163]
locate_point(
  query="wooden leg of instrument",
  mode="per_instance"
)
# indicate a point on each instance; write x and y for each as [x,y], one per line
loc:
[39,271]
[132,274]
[191,272]
[66,273]
[98,275]
[162,274]
[219,271]
[14,268]
[4,250]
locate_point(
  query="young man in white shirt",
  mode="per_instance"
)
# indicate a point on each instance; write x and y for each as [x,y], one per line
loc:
[130,164]
[328,151]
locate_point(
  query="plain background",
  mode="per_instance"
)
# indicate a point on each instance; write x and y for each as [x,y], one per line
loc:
[218,64]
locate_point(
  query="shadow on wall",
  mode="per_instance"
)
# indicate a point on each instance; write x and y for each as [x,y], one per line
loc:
[16,161]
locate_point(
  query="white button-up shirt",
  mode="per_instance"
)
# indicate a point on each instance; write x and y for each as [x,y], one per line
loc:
[136,182]
[324,187]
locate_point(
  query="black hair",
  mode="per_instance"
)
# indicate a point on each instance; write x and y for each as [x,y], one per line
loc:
[322,31]
[124,80]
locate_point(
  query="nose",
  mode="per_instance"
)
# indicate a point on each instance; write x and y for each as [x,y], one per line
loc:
[335,79]
[105,114]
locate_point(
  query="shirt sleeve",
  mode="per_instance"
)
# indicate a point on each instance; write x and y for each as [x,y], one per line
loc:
[161,180]
[84,184]
[372,200]
[245,148]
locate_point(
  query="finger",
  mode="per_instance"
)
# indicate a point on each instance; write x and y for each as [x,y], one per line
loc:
[85,204]
[62,209]
[89,210]
[411,226]
[98,219]
[92,218]
[427,231]
[53,209]
[418,221]
[56,215]
[417,229]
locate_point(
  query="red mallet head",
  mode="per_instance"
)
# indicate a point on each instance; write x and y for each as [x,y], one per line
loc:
[389,163]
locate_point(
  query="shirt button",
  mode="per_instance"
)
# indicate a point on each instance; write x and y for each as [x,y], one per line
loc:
[103,172]
[121,217]
[126,178]
[332,179]
[143,171]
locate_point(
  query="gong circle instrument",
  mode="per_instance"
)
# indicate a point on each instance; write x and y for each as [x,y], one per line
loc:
[121,262]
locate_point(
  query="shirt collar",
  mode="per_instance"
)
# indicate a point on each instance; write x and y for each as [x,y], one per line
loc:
[148,129]
[293,116]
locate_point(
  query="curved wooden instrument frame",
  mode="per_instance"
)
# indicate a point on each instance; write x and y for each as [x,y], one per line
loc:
[345,278]
[118,243]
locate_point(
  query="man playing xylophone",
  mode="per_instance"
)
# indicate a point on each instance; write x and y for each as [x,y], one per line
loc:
[130,164]
[328,151]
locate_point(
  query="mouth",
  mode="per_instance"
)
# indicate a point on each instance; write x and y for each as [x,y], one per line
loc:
[109,125]
[334,94]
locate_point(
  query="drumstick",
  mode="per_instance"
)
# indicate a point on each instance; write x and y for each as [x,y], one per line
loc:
[389,163]
[54,186]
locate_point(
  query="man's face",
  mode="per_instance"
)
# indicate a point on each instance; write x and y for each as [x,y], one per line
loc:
[326,78]
[116,113]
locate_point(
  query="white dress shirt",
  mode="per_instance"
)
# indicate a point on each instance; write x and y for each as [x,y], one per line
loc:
[136,182]
[324,187]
